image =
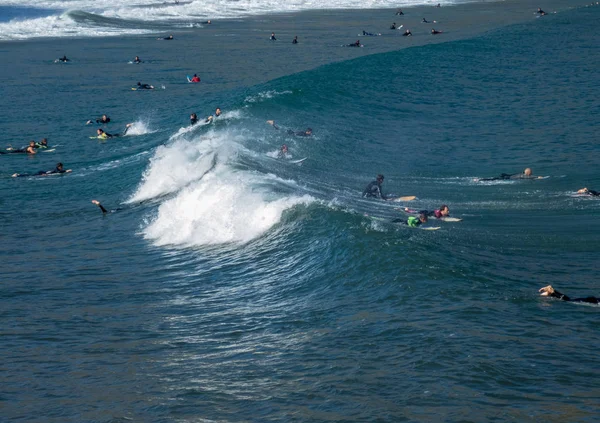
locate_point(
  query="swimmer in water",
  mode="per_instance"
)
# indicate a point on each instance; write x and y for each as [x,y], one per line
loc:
[141,86]
[105,135]
[548,291]
[193,119]
[590,192]
[434,31]
[102,120]
[272,38]
[506,176]
[295,40]
[407,33]
[306,133]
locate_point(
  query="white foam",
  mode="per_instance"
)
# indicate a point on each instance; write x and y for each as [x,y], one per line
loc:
[176,165]
[139,127]
[265,95]
[224,207]
[147,11]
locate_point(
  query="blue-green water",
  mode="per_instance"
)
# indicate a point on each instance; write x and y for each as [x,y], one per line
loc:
[232,286]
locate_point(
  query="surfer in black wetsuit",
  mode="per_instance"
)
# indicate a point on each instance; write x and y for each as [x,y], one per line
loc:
[170,37]
[193,119]
[393,26]
[586,191]
[306,133]
[440,213]
[137,59]
[548,291]
[103,120]
[272,38]
[399,12]
[434,31]
[63,59]
[506,176]
[295,40]
[356,44]
[540,12]
[141,86]
[104,211]
[30,149]
[58,169]
[407,33]
[373,190]
[370,34]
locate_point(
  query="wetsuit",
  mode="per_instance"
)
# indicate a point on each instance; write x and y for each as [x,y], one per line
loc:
[368,33]
[273,38]
[193,120]
[560,296]
[373,190]
[507,176]
[295,41]
[103,121]
[400,12]
[356,44]
[592,192]
[144,87]
[407,33]
[43,172]
[299,133]
[393,27]
[436,213]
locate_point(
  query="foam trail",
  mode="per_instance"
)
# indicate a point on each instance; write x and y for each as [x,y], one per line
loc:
[224,207]
[139,127]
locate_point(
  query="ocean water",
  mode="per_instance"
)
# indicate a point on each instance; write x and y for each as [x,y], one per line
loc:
[227,285]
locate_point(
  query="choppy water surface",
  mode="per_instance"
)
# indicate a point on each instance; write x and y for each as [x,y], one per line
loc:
[233,286]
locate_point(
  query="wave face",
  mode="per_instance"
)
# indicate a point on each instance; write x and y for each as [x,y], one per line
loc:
[85,18]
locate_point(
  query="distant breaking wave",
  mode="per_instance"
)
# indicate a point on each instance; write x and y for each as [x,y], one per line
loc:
[85,18]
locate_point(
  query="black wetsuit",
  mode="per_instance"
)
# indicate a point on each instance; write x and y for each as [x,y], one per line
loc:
[356,44]
[373,190]
[592,192]
[400,13]
[368,33]
[43,172]
[144,87]
[507,176]
[103,121]
[407,33]
[295,41]
[299,133]
[193,121]
[560,296]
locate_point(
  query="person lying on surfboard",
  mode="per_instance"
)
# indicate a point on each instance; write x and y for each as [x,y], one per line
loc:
[195,78]
[548,291]
[373,190]
[306,133]
[440,213]
[105,135]
[412,221]
[586,191]
[58,169]
[102,120]
[141,86]
[504,176]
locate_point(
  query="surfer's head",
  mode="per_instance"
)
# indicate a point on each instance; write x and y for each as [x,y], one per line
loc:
[527,172]
[218,111]
[99,131]
[380,178]
[422,217]
[444,210]
[59,165]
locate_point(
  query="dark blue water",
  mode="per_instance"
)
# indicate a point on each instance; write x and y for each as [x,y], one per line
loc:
[232,286]
[8,13]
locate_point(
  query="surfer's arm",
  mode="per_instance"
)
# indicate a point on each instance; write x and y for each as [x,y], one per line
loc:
[96,202]
[272,123]
[548,291]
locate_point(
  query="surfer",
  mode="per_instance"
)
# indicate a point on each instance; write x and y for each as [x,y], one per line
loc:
[373,190]
[105,135]
[425,21]
[103,120]
[440,213]
[42,144]
[370,34]
[306,133]
[211,117]
[208,22]
[356,44]
[586,191]
[540,12]
[505,176]
[393,26]
[548,291]
[195,78]
[170,37]
[412,221]
[141,86]
[30,149]
[104,211]
[399,12]
[58,169]
[283,151]
[407,33]
[272,38]
[295,40]
[193,119]
[137,59]
[63,59]
[434,31]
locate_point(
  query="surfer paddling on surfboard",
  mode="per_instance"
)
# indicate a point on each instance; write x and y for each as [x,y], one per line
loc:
[412,221]
[306,133]
[527,174]
[373,190]
[440,213]
[57,170]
